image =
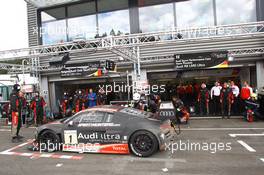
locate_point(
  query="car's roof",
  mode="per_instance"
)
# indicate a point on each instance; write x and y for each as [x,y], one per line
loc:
[106,108]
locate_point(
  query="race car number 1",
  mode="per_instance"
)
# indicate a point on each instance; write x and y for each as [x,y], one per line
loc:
[70,137]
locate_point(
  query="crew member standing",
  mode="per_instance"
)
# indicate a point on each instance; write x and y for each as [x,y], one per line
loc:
[65,103]
[77,101]
[235,91]
[226,100]
[15,111]
[101,99]
[246,92]
[92,98]
[215,96]
[203,100]
[37,104]
[152,106]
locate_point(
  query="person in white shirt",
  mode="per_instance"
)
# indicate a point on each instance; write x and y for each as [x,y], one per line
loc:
[215,96]
[236,92]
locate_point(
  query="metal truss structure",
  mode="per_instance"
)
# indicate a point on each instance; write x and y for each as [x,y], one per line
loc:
[128,46]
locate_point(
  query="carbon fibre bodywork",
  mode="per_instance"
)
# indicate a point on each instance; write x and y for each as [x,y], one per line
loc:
[106,129]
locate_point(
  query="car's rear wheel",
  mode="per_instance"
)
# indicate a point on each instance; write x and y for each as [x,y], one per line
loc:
[143,143]
[49,141]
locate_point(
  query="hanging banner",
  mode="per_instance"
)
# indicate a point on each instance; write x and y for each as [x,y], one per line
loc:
[201,60]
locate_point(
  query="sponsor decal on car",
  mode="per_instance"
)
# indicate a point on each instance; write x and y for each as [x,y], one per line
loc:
[98,125]
[99,136]
[98,148]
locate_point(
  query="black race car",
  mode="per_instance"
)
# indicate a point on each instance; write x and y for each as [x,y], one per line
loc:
[106,129]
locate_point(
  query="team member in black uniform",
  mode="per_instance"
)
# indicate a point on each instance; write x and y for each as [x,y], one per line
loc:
[16,113]
[226,100]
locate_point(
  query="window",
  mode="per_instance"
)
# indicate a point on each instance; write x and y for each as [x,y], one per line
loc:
[235,11]
[54,32]
[156,18]
[108,117]
[82,27]
[114,23]
[87,8]
[195,13]
[110,5]
[53,14]
[93,117]
[142,3]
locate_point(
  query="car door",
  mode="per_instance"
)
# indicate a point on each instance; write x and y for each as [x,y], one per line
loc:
[116,127]
[90,128]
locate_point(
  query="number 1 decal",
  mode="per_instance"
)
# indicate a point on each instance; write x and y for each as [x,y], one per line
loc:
[70,137]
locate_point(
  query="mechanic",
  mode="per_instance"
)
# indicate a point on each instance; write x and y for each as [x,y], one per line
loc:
[152,106]
[203,100]
[65,103]
[37,104]
[139,101]
[101,99]
[226,100]
[76,101]
[181,113]
[245,94]
[92,97]
[23,105]
[16,113]
[235,105]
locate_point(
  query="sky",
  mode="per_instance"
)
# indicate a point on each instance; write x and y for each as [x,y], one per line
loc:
[13,28]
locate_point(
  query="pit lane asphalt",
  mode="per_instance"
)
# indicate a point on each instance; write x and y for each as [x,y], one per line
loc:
[239,160]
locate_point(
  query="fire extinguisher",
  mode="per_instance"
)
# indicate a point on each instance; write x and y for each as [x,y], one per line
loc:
[250,115]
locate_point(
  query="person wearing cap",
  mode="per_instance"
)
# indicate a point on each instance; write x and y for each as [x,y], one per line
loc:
[15,113]
[37,104]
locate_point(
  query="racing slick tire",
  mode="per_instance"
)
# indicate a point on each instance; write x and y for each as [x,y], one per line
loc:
[143,143]
[49,141]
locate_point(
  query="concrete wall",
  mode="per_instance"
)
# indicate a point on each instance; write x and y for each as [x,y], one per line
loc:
[260,74]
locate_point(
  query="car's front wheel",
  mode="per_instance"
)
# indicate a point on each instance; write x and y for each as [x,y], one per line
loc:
[143,143]
[49,141]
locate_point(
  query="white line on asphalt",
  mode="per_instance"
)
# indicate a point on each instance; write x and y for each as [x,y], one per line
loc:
[234,135]
[155,159]
[218,129]
[262,159]
[7,130]
[16,147]
[249,148]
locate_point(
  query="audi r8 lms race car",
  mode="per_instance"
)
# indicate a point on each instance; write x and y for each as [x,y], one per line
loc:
[106,129]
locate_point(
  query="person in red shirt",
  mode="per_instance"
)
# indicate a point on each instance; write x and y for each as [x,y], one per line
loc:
[181,92]
[189,94]
[246,91]
[245,94]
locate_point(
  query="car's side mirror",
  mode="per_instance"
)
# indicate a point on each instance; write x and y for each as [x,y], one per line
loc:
[70,123]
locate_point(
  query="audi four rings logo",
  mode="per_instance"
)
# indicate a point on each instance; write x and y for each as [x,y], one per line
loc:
[167,113]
